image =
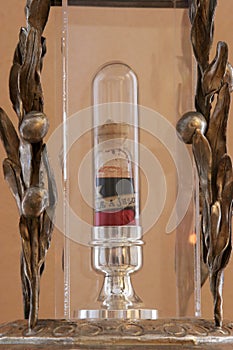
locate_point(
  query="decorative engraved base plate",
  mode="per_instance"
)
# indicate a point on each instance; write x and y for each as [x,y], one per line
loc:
[173,334]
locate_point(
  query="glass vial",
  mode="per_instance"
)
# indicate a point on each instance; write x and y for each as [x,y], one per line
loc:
[115,122]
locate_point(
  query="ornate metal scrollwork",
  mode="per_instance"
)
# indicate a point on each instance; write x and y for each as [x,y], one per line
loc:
[205,129]
[26,168]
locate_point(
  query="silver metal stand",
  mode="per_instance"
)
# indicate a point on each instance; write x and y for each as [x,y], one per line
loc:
[117,252]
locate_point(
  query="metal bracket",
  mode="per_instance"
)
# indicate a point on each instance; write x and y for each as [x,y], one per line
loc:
[126,3]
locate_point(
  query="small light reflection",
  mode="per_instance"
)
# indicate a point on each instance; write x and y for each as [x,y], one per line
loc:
[193,238]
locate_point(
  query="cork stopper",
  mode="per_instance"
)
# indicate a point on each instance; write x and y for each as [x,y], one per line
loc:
[111,130]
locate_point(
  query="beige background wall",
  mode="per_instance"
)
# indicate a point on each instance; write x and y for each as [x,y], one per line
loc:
[11,18]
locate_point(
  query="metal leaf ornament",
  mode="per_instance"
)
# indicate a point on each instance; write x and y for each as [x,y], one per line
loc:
[27,160]
[205,129]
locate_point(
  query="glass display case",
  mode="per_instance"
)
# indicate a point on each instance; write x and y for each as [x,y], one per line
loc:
[127,212]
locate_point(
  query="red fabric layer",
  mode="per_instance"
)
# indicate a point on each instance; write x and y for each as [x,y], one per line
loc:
[118,218]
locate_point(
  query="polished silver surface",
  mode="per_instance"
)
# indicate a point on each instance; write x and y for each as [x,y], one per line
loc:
[117,253]
[116,234]
[129,314]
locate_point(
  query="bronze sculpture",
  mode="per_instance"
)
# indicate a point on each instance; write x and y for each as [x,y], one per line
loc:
[205,129]
[26,167]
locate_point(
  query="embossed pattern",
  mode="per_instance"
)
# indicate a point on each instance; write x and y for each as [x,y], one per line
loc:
[126,334]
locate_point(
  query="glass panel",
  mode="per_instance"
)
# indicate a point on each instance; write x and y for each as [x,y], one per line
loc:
[155,44]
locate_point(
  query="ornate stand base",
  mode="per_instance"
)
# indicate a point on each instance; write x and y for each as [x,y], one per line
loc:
[172,334]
